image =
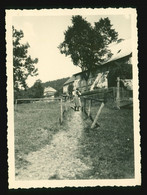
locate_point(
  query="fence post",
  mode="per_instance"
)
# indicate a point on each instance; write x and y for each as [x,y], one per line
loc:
[84,105]
[114,94]
[89,108]
[61,111]
[97,115]
[67,105]
[15,104]
[118,93]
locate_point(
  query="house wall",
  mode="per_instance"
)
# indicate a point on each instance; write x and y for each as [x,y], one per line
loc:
[100,79]
[48,91]
[65,88]
[112,78]
[48,94]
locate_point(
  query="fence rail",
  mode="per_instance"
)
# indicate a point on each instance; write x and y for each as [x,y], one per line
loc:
[61,111]
[115,96]
[102,96]
[31,99]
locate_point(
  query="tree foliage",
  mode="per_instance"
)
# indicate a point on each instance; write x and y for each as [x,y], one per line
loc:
[87,45]
[37,90]
[56,84]
[23,64]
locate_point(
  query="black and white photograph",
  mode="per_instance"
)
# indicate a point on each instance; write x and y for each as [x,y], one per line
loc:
[72,98]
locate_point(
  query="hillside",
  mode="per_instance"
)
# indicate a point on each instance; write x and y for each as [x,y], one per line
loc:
[56,84]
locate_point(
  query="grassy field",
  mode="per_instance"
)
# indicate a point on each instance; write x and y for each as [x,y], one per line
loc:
[34,127]
[110,146]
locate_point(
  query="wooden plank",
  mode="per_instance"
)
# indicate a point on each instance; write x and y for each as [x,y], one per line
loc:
[118,93]
[84,106]
[89,108]
[97,115]
[61,112]
[91,118]
[98,100]
[96,91]
[31,99]
[28,110]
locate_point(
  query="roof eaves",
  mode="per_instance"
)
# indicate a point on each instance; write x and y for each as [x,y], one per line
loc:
[70,80]
[117,58]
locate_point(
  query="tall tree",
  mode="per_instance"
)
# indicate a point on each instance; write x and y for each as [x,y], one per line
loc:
[23,64]
[87,45]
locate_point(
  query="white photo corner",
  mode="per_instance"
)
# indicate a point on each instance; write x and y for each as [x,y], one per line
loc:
[72,98]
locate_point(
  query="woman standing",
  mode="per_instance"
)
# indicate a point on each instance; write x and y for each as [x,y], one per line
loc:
[77,100]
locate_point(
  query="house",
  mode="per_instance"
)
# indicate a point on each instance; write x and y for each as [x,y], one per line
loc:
[49,92]
[67,83]
[120,50]
[102,77]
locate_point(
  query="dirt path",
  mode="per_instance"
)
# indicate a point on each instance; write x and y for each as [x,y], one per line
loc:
[61,158]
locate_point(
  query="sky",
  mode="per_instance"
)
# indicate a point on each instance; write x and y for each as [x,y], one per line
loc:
[44,33]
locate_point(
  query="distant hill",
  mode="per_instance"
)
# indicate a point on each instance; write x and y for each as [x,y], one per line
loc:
[56,84]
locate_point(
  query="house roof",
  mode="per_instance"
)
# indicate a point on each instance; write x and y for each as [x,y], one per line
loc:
[49,89]
[78,73]
[70,80]
[120,50]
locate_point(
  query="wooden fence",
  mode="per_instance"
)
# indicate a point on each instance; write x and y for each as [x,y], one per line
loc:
[103,96]
[114,96]
[63,105]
